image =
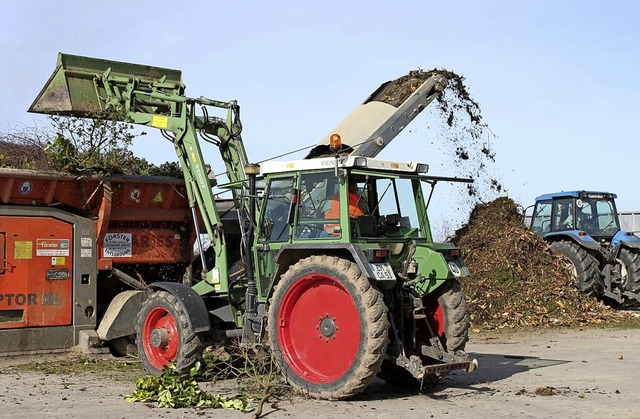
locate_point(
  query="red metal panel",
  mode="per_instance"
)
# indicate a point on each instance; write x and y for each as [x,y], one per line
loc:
[141,245]
[3,255]
[36,287]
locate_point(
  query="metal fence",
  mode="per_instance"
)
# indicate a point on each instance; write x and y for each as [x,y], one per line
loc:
[630,221]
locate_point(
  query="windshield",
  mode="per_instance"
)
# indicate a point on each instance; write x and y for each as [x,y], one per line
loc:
[597,216]
[541,220]
[377,207]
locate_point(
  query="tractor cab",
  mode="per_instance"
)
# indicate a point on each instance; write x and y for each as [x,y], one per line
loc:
[593,213]
[347,199]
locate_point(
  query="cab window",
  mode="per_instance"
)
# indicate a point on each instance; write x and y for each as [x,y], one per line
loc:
[275,226]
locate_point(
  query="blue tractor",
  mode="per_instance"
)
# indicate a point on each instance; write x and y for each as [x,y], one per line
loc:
[583,227]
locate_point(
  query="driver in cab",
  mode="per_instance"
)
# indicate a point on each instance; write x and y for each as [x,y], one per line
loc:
[357,208]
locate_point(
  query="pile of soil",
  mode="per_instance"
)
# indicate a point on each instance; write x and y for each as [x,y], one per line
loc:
[516,281]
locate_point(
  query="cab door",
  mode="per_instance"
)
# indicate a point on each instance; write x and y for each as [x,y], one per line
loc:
[274,228]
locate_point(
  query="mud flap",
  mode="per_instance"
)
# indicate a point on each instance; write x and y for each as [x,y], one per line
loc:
[117,321]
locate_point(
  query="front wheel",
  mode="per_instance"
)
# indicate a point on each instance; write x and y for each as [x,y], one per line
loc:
[583,265]
[164,335]
[327,327]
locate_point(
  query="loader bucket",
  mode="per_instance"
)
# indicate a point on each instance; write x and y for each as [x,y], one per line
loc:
[75,87]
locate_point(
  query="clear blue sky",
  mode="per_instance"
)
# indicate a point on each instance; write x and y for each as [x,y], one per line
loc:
[557,80]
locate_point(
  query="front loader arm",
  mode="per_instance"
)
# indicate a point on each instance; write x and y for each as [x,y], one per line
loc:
[152,96]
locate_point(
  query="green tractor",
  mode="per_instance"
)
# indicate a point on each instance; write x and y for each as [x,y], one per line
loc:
[338,296]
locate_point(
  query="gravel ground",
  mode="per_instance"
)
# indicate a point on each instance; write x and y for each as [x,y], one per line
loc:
[569,373]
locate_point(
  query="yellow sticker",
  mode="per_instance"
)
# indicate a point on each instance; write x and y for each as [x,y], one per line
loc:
[159,121]
[23,250]
[58,260]
[158,197]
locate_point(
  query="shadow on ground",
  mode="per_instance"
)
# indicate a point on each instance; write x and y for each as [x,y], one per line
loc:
[492,368]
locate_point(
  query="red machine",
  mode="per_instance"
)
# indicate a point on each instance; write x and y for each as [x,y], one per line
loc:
[63,238]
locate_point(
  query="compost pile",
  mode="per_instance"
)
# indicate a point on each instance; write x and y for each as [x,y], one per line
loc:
[516,281]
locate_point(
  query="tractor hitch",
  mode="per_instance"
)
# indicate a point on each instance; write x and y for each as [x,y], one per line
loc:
[450,362]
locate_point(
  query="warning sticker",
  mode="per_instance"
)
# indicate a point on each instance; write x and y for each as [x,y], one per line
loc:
[25,187]
[23,250]
[117,245]
[52,247]
[159,121]
[86,242]
[85,253]
[58,260]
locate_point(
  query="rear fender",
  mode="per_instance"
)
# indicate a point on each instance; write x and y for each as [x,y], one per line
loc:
[585,241]
[191,302]
[117,320]
[625,239]
[291,253]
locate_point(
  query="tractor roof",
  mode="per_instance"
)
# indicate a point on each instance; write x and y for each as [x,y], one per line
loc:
[351,162]
[577,194]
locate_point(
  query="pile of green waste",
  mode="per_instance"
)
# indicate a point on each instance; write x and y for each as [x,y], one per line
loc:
[516,281]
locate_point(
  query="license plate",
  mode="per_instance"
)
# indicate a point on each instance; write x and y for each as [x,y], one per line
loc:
[382,272]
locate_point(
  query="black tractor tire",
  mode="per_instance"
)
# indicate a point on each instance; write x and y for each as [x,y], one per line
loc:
[630,258]
[327,328]
[585,268]
[448,315]
[456,316]
[165,337]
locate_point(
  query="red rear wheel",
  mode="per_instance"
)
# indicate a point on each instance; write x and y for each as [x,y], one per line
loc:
[327,327]
[318,316]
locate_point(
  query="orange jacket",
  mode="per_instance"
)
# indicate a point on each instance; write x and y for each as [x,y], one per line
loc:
[334,211]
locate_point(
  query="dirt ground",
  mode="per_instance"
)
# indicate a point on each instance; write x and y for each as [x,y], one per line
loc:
[570,373]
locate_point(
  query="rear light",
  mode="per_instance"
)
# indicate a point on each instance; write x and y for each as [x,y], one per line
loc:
[451,254]
[380,254]
[582,233]
[377,255]
[630,233]
[360,162]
